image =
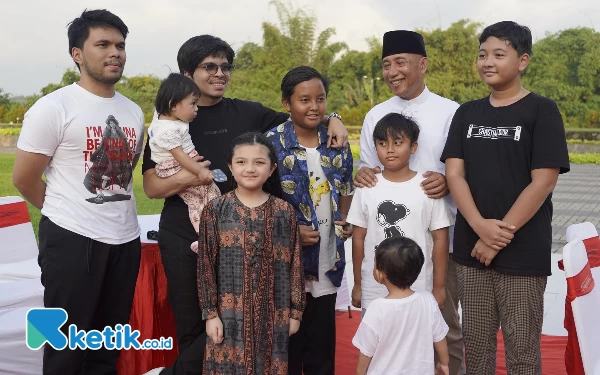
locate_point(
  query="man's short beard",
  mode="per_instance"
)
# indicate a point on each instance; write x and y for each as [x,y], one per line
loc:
[100,78]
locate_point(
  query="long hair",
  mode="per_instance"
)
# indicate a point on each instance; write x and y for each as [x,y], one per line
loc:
[273,183]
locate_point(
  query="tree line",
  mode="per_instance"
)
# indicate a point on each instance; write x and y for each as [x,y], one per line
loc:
[565,66]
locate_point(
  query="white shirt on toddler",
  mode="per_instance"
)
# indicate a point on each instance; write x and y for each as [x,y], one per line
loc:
[399,334]
[166,135]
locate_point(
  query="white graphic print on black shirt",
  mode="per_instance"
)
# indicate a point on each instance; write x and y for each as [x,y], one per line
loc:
[507,132]
[212,131]
[501,146]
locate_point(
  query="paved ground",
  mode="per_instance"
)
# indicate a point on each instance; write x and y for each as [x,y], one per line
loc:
[576,200]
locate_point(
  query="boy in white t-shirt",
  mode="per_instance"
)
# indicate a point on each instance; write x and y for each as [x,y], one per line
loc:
[317,182]
[397,206]
[396,333]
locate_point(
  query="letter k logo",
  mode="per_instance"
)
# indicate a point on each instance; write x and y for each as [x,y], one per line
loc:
[43,325]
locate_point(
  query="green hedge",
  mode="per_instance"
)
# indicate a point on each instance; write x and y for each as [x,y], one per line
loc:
[355,152]
[583,142]
[10,131]
[590,158]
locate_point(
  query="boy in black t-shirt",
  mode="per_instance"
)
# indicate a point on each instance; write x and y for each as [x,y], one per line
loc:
[503,157]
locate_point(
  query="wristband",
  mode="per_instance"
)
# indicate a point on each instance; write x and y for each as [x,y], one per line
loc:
[333,114]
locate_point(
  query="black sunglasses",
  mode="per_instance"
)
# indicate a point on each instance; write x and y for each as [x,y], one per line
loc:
[212,68]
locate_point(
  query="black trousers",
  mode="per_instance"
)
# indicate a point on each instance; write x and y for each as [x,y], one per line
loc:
[181,264]
[312,348]
[95,283]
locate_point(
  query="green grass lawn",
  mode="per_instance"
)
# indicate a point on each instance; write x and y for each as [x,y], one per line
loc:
[145,205]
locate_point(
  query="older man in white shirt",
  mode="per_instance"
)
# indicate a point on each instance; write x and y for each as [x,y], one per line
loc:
[404,66]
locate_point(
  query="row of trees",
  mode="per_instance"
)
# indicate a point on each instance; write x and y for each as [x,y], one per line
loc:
[565,66]
[141,89]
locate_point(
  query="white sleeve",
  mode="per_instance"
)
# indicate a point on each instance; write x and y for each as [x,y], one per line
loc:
[43,127]
[440,214]
[446,131]
[368,153]
[366,338]
[357,215]
[167,138]
[439,326]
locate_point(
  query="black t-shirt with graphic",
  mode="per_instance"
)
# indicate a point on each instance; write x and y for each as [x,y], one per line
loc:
[500,147]
[212,131]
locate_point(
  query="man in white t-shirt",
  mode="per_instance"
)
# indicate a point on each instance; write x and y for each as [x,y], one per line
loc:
[86,139]
[404,66]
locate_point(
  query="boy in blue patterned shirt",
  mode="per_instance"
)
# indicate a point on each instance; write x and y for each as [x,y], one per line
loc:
[317,181]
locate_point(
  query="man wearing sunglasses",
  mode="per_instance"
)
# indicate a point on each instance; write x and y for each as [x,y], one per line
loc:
[209,62]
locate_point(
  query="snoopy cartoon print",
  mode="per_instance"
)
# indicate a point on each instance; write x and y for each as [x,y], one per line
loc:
[389,214]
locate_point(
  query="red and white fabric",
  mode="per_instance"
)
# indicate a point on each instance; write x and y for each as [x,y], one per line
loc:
[581,263]
[151,313]
[20,287]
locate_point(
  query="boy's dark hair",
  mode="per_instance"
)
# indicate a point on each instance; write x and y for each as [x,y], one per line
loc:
[273,183]
[401,259]
[79,28]
[299,75]
[518,36]
[173,90]
[197,48]
[396,125]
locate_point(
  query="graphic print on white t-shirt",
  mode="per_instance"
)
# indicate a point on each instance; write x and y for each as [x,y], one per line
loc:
[422,216]
[108,161]
[318,187]
[389,214]
[320,194]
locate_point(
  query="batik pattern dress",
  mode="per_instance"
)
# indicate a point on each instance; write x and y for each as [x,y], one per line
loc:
[250,275]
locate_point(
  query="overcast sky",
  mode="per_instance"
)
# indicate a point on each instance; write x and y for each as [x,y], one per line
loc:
[34,47]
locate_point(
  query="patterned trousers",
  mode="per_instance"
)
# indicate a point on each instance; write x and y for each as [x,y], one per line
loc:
[490,299]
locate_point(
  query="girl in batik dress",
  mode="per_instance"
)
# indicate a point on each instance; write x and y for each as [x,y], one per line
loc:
[250,271]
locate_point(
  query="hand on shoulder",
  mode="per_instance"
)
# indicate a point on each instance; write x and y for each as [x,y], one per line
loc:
[366,177]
